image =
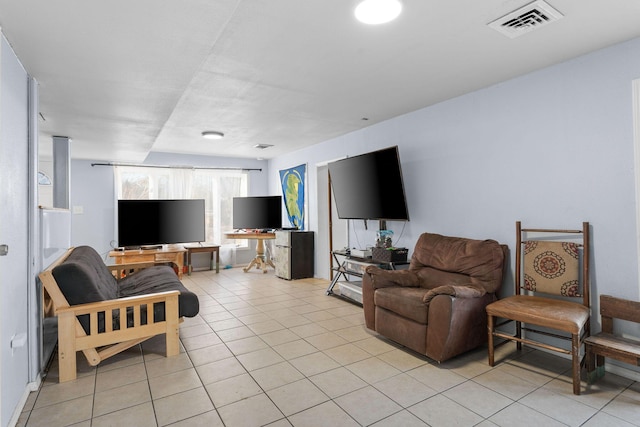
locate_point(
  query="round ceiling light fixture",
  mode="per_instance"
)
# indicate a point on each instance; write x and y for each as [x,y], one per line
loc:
[212,134]
[375,12]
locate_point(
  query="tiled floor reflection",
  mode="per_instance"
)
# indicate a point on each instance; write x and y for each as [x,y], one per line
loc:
[266,351]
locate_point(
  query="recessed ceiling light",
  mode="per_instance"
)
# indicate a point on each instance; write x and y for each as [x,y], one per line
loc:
[375,12]
[212,134]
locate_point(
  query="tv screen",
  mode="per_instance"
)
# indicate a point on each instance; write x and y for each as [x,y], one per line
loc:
[369,186]
[263,212]
[153,222]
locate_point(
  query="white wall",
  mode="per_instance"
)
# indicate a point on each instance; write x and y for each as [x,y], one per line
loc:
[552,148]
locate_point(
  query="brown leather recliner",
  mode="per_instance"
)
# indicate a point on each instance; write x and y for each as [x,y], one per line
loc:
[437,306]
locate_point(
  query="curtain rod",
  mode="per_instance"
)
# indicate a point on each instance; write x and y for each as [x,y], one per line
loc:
[137,165]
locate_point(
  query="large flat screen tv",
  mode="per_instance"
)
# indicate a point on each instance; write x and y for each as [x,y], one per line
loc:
[369,186]
[154,222]
[261,212]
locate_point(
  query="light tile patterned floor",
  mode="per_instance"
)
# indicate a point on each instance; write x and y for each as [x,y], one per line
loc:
[266,351]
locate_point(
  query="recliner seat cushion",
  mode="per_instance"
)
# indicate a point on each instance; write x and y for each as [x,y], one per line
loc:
[406,302]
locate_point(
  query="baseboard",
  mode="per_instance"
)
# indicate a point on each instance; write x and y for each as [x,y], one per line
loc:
[30,387]
[622,371]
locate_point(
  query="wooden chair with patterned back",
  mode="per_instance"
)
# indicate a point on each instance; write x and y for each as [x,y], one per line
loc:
[551,294]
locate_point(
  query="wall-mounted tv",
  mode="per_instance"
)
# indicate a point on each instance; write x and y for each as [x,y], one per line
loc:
[154,222]
[261,212]
[369,186]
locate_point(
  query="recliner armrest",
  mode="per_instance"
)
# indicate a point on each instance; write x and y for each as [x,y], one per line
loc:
[459,291]
[381,278]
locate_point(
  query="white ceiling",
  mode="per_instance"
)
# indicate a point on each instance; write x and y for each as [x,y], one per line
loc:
[122,78]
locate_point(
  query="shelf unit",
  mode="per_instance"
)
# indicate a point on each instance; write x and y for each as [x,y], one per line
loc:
[350,267]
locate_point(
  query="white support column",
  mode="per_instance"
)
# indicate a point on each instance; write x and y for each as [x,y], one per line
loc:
[34,331]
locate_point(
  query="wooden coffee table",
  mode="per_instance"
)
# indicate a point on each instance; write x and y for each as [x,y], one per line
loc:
[168,253]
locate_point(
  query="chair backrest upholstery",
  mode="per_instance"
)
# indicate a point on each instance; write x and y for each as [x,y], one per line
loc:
[83,277]
[553,266]
[441,260]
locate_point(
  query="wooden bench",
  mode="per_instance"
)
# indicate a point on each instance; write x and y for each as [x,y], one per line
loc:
[105,327]
[606,344]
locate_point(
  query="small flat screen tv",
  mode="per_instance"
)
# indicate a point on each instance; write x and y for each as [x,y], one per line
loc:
[369,186]
[261,212]
[155,222]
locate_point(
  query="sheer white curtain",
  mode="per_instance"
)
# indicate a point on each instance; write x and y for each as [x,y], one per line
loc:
[216,187]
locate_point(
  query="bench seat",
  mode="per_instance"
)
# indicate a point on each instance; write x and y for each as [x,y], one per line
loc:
[609,344]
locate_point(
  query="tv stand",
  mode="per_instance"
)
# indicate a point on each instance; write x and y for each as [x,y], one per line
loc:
[350,267]
[171,253]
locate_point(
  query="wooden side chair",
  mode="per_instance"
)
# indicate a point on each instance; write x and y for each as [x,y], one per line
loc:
[606,344]
[551,294]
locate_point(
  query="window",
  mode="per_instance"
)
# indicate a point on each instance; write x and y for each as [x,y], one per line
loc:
[216,187]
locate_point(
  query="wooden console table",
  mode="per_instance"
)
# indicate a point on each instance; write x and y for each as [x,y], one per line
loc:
[260,261]
[168,253]
[197,248]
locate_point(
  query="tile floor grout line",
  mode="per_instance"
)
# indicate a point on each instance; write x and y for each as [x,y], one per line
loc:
[265,392]
[146,370]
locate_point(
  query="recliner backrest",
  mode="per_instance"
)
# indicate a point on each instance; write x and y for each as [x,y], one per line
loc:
[459,260]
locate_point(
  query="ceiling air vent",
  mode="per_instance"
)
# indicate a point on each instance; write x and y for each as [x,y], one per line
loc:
[526,19]
[262,146]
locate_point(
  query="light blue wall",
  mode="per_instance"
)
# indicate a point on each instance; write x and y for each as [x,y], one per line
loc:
[92,190]
[552,148]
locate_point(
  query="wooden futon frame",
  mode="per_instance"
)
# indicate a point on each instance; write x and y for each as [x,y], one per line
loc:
[135,314]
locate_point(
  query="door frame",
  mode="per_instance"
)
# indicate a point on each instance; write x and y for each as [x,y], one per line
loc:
[333,232]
